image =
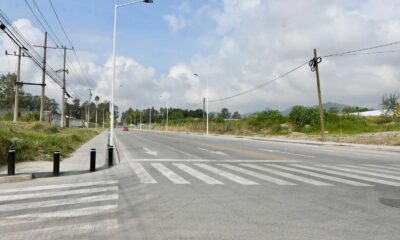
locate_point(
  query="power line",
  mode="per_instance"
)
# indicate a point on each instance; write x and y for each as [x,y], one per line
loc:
[48,25]
[259,86]
[366,53]
[363,49]
[69,41]
[57,42]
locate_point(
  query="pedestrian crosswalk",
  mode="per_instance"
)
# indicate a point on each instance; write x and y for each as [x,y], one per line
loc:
[46,205]
[270,173]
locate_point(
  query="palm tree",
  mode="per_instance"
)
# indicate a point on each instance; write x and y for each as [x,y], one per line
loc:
[96,99]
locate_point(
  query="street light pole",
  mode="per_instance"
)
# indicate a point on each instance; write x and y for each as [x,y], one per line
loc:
[116,6]
[197,75]
[207,108]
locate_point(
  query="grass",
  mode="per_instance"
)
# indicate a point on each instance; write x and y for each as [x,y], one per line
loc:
[347,124]
[37,141]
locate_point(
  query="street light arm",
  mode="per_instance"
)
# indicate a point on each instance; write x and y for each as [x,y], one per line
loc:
[129,3]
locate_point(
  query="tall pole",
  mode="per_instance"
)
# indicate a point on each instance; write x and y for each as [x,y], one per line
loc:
[103,116]
[150,119]
[96,115]
[43,78]
[321,110]
[113,81]
[204,113]
[207,107]
[17,85]
[140,120]
[88,113]
[63,91]
[166,124]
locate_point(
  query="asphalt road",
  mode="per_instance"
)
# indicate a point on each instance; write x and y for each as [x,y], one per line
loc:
[180,186]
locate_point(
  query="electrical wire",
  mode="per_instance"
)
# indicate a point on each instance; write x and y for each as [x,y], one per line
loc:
[57,42]
[259,86]
[367,53]
[362,49]
[69,41]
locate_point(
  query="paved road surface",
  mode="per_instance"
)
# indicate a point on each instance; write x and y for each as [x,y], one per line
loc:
[178,186]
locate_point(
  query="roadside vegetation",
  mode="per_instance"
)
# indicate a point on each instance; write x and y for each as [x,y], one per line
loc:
[343,125]
[36,141]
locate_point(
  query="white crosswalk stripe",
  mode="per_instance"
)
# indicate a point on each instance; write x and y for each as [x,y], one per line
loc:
[56,203]
[57,194]
[227,175]
[331,178]
[65,231]
[197,174]
[29,205]
[141,173]
[361,172]
[389,167]
[371,169]
[288,175]
[58,186]
[67,213]
[173,177]
[350,175]
[257,175]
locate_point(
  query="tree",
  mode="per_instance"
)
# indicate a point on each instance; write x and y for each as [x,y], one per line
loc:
[7,89]
[236,115]
[389,103]
[225,114]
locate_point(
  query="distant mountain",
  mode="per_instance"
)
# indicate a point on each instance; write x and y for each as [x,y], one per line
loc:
[327,106]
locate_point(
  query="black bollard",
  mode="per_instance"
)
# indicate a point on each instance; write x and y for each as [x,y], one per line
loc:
[11,162]
[93,160]
[110,156]
[56,163]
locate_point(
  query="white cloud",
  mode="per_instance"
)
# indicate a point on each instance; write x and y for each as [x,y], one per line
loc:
[176,23]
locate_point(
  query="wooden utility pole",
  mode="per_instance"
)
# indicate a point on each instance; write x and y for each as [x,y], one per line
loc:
[18,80]
[314,67]
[43,78]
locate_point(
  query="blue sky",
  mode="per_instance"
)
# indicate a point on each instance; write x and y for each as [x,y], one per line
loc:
[142,31]
[234,44]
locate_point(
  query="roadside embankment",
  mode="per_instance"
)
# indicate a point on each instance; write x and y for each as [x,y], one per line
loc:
[34,141]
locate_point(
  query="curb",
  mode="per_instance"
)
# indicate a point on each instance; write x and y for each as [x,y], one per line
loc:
[16,178]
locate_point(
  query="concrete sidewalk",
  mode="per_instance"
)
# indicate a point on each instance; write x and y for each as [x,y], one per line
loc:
[78,162]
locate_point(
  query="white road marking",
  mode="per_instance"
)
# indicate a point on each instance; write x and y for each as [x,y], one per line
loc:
[212,160]
[65,230]
[257,175]
[59,202]
[141,173]
[327,177]
[326,150]
[67,213]
[154,153]
[384,167]
[361,172]
[199,175]
[214,152]
[49,187]
[227,175]
[371,169]
[288,153]
[173,177]
[57,194]
[288,175]
[350,175]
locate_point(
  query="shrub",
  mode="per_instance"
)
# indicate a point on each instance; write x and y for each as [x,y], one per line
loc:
[302,116]
[266,118]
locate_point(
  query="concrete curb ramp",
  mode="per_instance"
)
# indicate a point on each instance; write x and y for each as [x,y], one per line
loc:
[15,178]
